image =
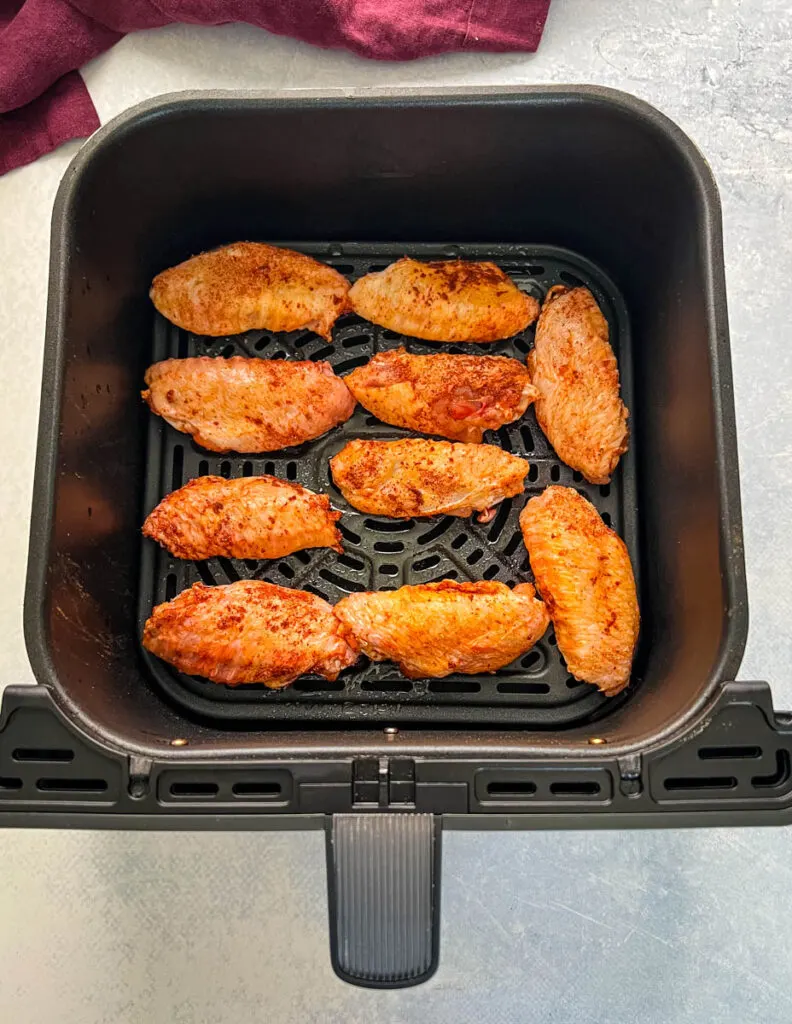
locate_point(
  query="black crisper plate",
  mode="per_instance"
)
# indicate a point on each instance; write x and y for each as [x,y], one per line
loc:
[381,554]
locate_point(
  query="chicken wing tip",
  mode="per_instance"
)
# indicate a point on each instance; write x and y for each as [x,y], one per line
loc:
[555,292]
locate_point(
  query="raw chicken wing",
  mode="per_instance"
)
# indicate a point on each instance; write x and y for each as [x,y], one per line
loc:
[447,300]
[574,369]
[253,517]
[248,405]
[249,285]
[249,632]
[438,628]
[583,572]
[416,477]
[451,395]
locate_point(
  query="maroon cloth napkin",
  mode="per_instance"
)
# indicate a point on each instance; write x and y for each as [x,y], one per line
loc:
[44,102]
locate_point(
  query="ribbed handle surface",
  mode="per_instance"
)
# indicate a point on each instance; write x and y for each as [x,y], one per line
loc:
[383,897]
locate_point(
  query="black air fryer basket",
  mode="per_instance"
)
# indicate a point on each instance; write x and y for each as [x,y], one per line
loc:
[556,186]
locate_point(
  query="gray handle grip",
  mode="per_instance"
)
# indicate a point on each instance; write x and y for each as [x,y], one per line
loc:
[384,897]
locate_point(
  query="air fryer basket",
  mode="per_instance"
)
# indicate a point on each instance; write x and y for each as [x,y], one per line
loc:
[384,553]
[577,181]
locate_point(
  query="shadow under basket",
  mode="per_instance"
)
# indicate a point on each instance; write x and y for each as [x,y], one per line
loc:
[555,185]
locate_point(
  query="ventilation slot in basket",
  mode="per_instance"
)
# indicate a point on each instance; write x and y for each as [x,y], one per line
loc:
[686,783]
[453,686]
[510,790]
[714,753]
[779,777]
[194,790]
[317,685]
[71,786]
[257,790]
[575,788]
[426,563]
[54,754]
[523,688]
[387,685]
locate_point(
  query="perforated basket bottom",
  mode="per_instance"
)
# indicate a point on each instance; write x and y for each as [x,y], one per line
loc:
[381,554]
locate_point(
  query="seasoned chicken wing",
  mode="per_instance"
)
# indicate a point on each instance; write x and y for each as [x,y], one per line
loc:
[252,517]
[573,367]
[583,572]
[447,300]
[248,405]
[249,285]
[417,477]
[249,632]
[455,396]
[438,628]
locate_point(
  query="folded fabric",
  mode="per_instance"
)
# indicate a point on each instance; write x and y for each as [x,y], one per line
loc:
[43,102]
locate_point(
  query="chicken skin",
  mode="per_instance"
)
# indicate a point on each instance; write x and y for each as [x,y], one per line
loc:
[455,396]
[253,517]
[249,632]
[416,477]
[583,572]
[447,300]
[574,370]
[249,285]
[435,629]
[248,405]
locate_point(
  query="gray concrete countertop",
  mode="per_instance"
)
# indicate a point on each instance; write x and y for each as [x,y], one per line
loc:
[661,927]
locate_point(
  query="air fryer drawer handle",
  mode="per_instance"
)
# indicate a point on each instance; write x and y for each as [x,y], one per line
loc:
[384,897]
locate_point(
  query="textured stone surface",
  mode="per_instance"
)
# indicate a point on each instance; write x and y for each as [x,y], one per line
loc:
[570,928]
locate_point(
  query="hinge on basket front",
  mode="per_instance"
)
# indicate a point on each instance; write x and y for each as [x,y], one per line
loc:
[383,782]
[630,781]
